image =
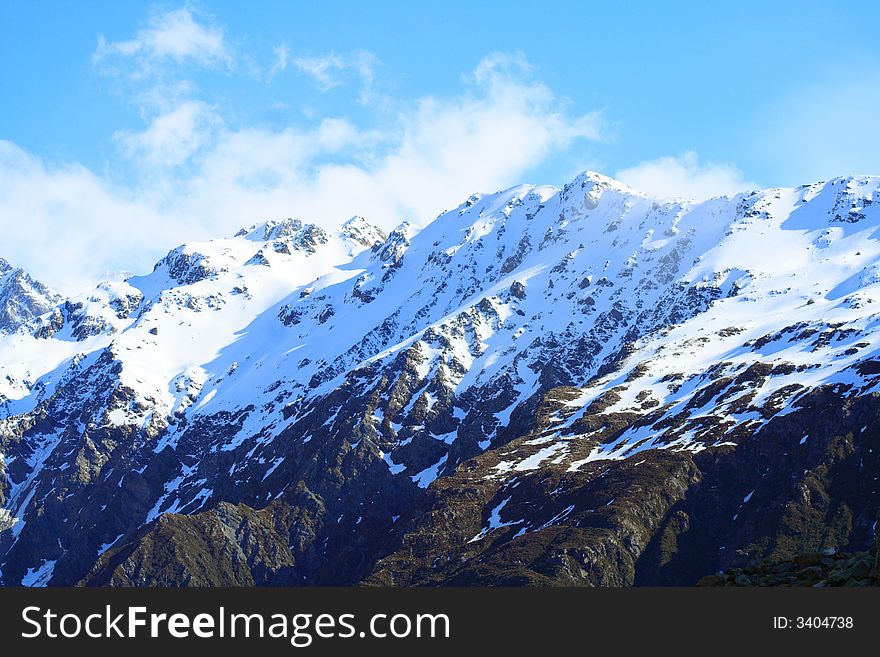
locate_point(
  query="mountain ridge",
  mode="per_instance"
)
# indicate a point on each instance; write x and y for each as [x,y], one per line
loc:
[400,401]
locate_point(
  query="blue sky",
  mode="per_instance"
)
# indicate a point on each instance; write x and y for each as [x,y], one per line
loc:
[127,128]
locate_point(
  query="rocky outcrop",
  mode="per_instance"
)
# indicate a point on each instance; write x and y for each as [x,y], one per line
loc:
[21,298]
[230,545]
[815,569]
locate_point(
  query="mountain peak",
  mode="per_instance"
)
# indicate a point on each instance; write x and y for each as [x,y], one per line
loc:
[21,297]
[362,231]
[594,180]
[271,229]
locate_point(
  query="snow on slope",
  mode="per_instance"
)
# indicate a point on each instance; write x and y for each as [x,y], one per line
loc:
[201,296]
[21,297]
[799,310]
[712,314]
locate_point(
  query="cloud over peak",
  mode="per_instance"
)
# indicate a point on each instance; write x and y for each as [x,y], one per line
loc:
[200,171]
[685,176]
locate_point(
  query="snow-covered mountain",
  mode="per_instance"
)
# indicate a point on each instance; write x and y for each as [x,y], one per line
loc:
[21,297]
[582,385]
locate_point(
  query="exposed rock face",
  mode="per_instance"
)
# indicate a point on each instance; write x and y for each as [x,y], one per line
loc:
[542,387]
[363,232]
[796,497]
[665,518]
[21,298]
[6,520]
[227,546]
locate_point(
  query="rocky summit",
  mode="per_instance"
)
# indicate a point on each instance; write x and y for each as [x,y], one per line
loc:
[580,386]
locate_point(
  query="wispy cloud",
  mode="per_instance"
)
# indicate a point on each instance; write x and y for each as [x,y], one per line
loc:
[501,64]
[175,35]
[684,175]
[322,70]
[333,70]
[282,58]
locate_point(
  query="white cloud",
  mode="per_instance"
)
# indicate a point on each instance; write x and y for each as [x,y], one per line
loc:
[500,64]
[200,177]
[331,71]
[68,225]
[684,175]
[174,35]
[431,155]
[321,69]
[282,57]
[171,138]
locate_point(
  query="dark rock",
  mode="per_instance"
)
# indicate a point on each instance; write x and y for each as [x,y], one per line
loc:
[804,560]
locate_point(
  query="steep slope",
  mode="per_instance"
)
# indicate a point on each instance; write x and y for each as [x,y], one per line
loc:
[545,386]
[21,297]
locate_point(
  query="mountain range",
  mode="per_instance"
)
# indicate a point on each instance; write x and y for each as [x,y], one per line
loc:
[579,386]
